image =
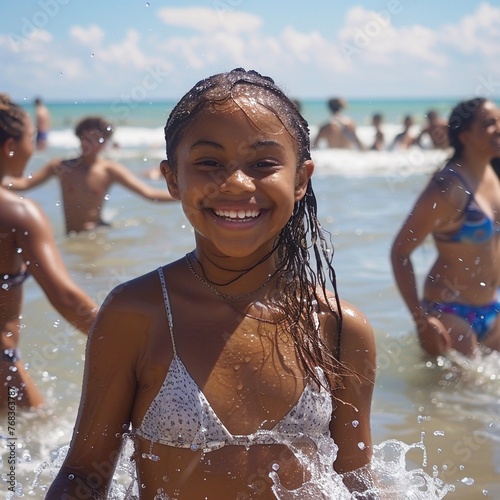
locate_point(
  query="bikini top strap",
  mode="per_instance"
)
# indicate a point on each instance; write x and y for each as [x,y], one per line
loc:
[466,185]
[167,308]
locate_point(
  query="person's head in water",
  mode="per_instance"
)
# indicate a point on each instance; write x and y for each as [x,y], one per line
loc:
[336,104]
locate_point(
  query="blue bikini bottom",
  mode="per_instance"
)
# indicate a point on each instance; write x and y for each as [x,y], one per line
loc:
[480,318]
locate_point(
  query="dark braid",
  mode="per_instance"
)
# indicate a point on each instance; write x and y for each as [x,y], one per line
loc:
[12,119]
[300,297]
[461,118]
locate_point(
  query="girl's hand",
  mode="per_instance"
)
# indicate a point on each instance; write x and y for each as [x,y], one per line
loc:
[433,336]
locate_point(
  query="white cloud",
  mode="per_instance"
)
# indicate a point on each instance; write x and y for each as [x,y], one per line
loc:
[369,53]
[210,21]
[371,38]
[478,33]
[126,54]
[308,47]
[91,36]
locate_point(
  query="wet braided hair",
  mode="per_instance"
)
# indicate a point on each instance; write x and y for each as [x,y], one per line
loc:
[461,118]
[12,119]
[301,234]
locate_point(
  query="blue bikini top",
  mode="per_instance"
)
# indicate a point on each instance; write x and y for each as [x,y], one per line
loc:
[476,228]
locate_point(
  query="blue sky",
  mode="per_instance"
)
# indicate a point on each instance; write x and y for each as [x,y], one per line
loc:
[139,50]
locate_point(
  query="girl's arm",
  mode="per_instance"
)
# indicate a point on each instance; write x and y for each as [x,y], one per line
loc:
[432,211]
[35,238]
[350,425]
[114,346]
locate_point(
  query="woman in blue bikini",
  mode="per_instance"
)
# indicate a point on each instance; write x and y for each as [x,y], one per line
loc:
[460,207]
[27,247]
[234,362]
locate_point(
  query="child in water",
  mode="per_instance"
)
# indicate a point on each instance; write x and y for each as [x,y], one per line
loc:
[86,179]
[234,361]
[27,248]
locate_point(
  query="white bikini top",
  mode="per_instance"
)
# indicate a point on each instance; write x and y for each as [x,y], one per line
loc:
[181,416]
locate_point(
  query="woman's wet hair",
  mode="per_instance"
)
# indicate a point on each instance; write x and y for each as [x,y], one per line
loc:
[12,119]
[461,118]
[302,235]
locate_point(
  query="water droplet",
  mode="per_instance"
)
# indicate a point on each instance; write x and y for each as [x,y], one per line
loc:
[485,493]
[19,250]
[194,447]
[468,481]
[145,158]
[147,4]
[236,367]
[101,140]
[71,477]
[106,197]
[240,386]
[247,359]
[438,433]
[355,423]
[11,153]
[91,55]
[276,467]
[61,74]
[361,445]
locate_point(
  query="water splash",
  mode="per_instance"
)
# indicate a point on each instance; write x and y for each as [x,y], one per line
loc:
[386,476]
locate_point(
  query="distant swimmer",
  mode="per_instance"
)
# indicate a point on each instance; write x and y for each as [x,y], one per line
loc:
[379,139]
[340,131]
[42,123]
[404,139]
[436,130]
[86,180]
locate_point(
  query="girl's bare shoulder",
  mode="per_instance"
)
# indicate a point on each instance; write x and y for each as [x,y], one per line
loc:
[356,329]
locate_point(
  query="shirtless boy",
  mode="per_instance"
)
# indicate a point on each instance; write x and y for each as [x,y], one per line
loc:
[340,131]
[436,129]
[87,179]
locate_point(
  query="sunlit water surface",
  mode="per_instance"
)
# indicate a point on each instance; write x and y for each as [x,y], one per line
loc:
[435,425]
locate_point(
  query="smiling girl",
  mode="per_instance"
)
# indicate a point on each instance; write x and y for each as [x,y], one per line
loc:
[234,361]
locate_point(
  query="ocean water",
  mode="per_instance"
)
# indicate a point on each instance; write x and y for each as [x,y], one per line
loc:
[436,425]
